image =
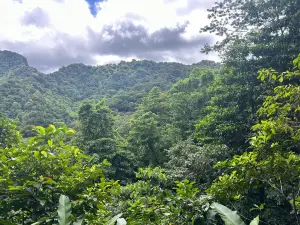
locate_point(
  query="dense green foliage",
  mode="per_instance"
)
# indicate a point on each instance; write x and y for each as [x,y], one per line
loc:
[39,99]
[161,143]
[9,135]
[43,168]
[270,172]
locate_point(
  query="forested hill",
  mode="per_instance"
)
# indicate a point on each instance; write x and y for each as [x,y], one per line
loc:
[35,98]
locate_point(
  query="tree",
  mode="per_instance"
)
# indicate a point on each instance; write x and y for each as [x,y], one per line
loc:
[151,131]
[188,97]
[269,175]
[96,129]
[99,138]
[9,135]
[186,160]
[155,102]
[144,133]
[228,113]
[256,34]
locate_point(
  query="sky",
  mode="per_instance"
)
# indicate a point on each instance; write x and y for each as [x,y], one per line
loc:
[56,33]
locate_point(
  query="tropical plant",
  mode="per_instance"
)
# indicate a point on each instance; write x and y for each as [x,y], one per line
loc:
[228,216]
[34,174]
[153,199]
[65,209]
[269,175]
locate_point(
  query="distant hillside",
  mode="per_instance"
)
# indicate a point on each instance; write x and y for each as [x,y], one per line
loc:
[10,60]
[35,98]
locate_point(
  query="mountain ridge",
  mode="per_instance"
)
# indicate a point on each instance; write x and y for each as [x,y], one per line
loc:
[24,61]
[36,98]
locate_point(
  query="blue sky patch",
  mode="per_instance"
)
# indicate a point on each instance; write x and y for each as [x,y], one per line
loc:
[92,4]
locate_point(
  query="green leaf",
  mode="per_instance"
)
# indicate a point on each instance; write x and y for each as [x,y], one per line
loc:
[121,221]
[36,154]
[41,130]
[50,143]
[114,219]
[106,163]
[255,221]
[6,222]
[44,153]
[64,210]
[70,132]
[228,216]
[41,221]
[17,188]
[50,129]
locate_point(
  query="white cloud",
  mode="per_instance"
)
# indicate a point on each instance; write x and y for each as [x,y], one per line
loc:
[154,14]
[53,33]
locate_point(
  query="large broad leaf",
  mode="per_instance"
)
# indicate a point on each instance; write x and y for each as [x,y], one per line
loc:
[121,221]
[228,216]
[78,222]
[64,210]
[114,219]
[255,221]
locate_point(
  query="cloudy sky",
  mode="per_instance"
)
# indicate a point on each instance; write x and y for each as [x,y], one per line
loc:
[53,33]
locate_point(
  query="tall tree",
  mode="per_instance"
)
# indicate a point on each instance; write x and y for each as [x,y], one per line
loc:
[256,34]
[269,175]
[144,136]
[188,97]
[96,128]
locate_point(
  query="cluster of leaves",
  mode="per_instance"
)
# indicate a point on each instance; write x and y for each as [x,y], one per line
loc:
[36,172]
[153,199]
[271,171]
[256,34]
[187,160]
[9,135]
